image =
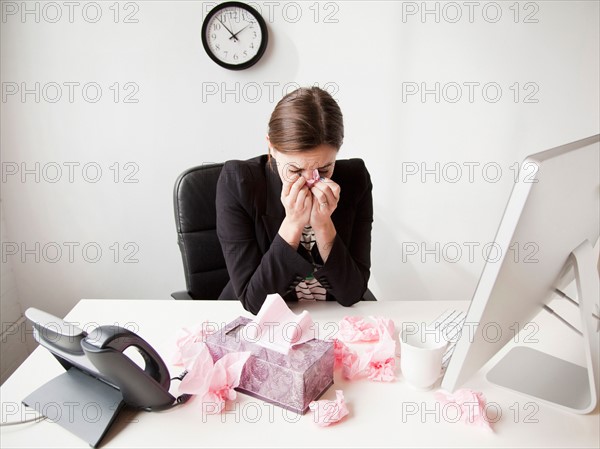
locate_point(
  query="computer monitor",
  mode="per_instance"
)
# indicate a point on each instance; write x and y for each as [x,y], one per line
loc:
[552,216]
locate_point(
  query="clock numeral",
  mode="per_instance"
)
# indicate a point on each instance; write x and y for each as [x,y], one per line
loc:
[245,53]
[213,36]
[217,47]
[216,26]
[252,45]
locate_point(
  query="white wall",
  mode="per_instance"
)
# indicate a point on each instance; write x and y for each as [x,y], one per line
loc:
[372,55]
[13,343]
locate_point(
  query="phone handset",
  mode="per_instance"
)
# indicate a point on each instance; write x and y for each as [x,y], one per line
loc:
[143,388]
[100,355]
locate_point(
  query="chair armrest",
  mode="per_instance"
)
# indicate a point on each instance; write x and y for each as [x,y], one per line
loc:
[368,296]
[181,295]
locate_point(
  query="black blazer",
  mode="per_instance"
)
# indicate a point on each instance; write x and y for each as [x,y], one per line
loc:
[260,262]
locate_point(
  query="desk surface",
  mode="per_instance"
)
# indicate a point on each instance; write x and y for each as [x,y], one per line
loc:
[381,414]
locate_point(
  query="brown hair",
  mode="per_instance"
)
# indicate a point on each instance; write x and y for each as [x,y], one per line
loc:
[304,119]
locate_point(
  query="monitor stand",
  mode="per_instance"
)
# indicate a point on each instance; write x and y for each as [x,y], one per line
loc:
[558,382]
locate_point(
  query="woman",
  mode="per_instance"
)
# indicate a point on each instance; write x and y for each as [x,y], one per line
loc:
[288,222]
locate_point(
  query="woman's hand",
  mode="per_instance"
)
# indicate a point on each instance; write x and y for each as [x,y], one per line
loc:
[326,195]
[298,203]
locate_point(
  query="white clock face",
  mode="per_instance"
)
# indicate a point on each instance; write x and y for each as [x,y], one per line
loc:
[233,35]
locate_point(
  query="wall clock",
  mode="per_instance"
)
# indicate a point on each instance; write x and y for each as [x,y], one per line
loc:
[234,35]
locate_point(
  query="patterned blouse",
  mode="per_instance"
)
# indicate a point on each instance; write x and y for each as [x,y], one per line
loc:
[310,288]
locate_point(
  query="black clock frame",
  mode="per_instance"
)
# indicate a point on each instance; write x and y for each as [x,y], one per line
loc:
[263,29]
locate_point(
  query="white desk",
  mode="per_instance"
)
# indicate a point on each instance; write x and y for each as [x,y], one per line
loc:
[376,409]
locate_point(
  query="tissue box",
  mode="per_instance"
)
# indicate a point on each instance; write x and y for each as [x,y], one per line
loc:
[290,381]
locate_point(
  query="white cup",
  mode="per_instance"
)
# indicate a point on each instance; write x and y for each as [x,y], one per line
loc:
[421,358]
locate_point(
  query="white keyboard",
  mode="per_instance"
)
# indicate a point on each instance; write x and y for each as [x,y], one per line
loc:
[449,325]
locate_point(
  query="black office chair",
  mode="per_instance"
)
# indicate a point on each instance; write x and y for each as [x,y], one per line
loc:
[195,218]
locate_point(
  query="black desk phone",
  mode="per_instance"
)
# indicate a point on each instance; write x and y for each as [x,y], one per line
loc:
[98,374]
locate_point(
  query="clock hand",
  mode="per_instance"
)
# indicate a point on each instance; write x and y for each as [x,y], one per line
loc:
[232,35]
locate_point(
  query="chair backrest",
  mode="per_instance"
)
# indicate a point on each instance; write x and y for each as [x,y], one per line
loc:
[195,217]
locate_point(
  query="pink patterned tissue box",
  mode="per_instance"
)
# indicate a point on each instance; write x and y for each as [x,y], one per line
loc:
[290,381]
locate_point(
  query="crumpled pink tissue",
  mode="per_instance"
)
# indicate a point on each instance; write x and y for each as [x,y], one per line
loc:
[353,329]
[214,382]
[316,177]
[377,362]
[471,404]
[329,412]
[188,343]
